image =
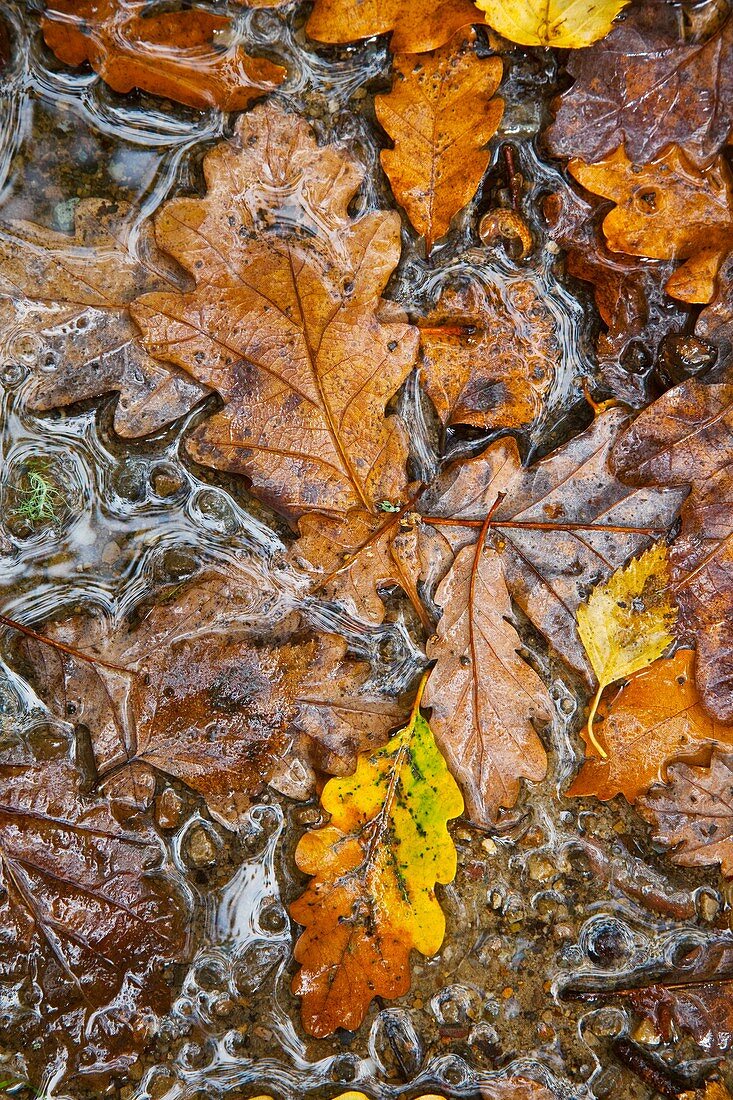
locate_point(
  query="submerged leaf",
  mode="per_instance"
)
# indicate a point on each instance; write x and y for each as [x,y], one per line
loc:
[627,622]
[415,25]
[552,22]
[375,865]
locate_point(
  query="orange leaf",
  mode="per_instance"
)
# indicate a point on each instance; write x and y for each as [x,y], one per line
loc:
[655,718]
[172,54]
[440,115]
[415,25]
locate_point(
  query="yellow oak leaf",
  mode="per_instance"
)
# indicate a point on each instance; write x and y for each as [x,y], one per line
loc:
[627,622]
[374,867]
[566,24]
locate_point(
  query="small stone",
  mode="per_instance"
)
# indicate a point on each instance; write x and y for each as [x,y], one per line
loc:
[224,1006]
[165,483]
[308,815]
[111,552]
[201,850]
[169,809]
[545,1033]
[540,869]
[708,906]
[489,846]
[647,1034]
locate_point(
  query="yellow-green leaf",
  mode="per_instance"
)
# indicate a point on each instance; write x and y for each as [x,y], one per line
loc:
[374,867]
[567,24]
[627,622]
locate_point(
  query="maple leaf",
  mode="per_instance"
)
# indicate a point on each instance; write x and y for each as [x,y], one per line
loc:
[481,364]
[484,696]
[656,717]
[375,865]
[415,25]
[684,438]
[668,209]
[63,305]
[179,55]
[693,815]
[440,115]
[643,88]
[90,911]
[551,22]
[285,320]
[627,622]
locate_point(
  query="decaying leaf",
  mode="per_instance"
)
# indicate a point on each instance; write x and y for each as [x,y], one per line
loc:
[627,622]
[646,88]
[375,865]
[415,26]
[63,308]
[440,115]
[286,321]
[481,363]
[552,22]
[685,439]
[668,210]
[484,696]
[693,815]
[90,911]
[182,55]
[654,718]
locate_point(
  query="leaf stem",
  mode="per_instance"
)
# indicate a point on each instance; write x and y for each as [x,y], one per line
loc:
[532,525]
[591,736]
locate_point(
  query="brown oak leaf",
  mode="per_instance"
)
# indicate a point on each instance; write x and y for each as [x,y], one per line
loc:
[654,718]
[693,815]
[668,209]
[440,115]
[415,25]
[482,366]
[181,55]
[90,911]
[286,321]
[642,86]
[685,438]
[63,305]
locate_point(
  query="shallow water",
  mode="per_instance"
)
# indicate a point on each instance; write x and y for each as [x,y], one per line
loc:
[535,903]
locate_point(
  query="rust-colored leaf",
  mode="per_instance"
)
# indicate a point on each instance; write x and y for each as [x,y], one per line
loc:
[415,26]
[481,363]
[655,718]
[693,815]
[90,911]
[667,210]
[66,298]
[440,115]
[286,321]
[645,87]
[181,55]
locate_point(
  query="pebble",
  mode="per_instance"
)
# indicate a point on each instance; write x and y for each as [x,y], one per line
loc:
[201,850]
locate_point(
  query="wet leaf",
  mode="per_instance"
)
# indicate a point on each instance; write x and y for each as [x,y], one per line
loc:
[693,815]
[440,115]
[286,321]
[375,865]
[654,718]
[667,210]
[551,22]
[64,299]
[644,87]
[627,622]
[684,438]
[90,909]
[481,363]
[485,697]
[181,55]
[415,26]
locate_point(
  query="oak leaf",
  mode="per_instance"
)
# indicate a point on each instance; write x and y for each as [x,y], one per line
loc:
[627,621]
[668,209]
[653,719]
[644,88]
[685,438]
[179,55]
[551,22]
[371,899]
[63,304]
[90,910]
[415,26]
[481,363]
[286,322]
[693,814]
[440,115]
